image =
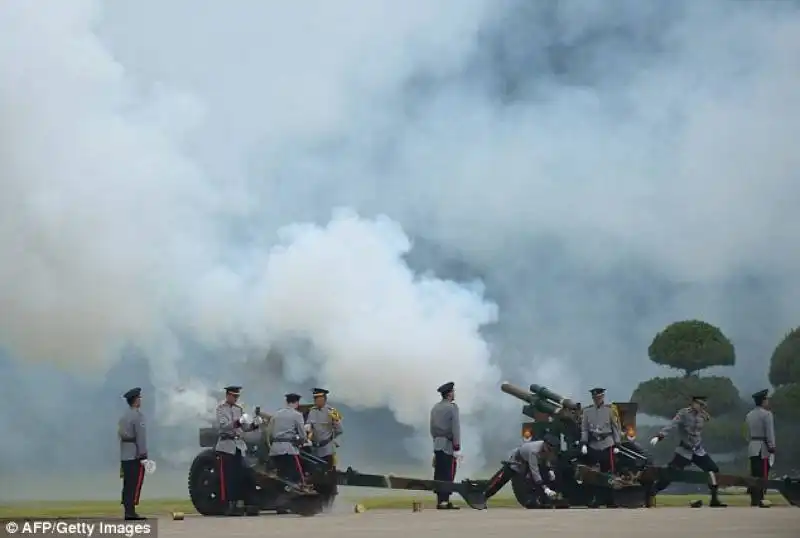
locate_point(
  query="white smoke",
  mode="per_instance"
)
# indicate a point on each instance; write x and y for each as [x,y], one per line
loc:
[605,168]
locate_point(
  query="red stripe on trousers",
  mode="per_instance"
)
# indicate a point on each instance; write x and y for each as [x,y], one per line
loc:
[299,468]
[611,459]
[139,481]
[223,494]
[453,469]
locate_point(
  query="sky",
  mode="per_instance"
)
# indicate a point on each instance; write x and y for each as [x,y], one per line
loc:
[379,198]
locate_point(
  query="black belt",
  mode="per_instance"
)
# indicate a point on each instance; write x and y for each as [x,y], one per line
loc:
[758,439]
[229,436]
[600,436]
[129,440]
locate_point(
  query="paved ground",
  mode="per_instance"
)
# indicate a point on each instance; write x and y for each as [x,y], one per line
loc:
[654,523]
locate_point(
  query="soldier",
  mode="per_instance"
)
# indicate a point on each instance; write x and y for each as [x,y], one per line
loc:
[531,458]
[133,452]
[761,432]
[446,433]
[689,423]
[232,422]
[323,426]
[286,433]
[600,433]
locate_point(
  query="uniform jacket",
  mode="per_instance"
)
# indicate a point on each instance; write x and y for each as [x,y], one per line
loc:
[689,424]
[600,428]
[230,430]
[132,435]
[528,455]
[323,431]
[286,431]
[760,425]
[446,427]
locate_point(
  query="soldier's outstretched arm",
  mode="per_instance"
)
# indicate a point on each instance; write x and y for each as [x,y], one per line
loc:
[299,425]
[533,465]
[676,420]
[770,432]
[456,418]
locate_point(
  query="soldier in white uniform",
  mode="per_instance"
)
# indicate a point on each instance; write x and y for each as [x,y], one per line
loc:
[689,423]
[232,422]
[286,431]
[445,429]
[324,426]
[132,451]
[600,433]
[761,448]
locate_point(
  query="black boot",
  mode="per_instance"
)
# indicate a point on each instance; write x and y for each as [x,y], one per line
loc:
[715,502]
[447,505]
[231,510]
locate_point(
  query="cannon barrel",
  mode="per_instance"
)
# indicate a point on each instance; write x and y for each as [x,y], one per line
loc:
[547,394]
[535,402]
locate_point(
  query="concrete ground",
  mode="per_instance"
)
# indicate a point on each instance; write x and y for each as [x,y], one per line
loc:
[643,523]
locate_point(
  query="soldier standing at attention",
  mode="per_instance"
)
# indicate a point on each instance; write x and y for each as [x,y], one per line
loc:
[286,433]
[761,433]
[600,433]
[232,422]
[323,426]
[446,433]
[132,452]
[689,423]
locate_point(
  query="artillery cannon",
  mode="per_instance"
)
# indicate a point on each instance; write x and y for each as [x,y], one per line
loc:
[268,491]
[552,413]
[635,479]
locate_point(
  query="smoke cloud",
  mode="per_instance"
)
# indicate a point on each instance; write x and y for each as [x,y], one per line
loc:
[381,198]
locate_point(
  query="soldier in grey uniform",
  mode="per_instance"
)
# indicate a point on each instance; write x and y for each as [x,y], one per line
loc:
[689,423]
[287,434]
[446,433]
[600,433]
[132,451]
[532,459]
[323,426]
[761,432]
[232,422]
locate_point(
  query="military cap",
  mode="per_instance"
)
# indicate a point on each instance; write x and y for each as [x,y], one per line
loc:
[597,391]
[701,399]
[447,387]
[319,392]
[760,396]
[292,398]
[552,440]
[132,394]
[233,389]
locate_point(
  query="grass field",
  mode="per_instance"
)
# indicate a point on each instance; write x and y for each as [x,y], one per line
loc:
[158,507]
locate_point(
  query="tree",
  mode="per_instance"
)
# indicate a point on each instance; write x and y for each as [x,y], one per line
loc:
[691,346]
[785,402]
[784,367]
[663,396]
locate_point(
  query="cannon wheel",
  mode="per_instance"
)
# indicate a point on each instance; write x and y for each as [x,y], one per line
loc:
[523,491]
[204,484]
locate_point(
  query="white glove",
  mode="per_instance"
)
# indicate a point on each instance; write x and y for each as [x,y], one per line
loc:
[584,450]
[149,466]
[772,460]
[258,421]
[549,492]
[245,419]
[616,450]
[458,456]
[307,428]
[654,441]
[552,475]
